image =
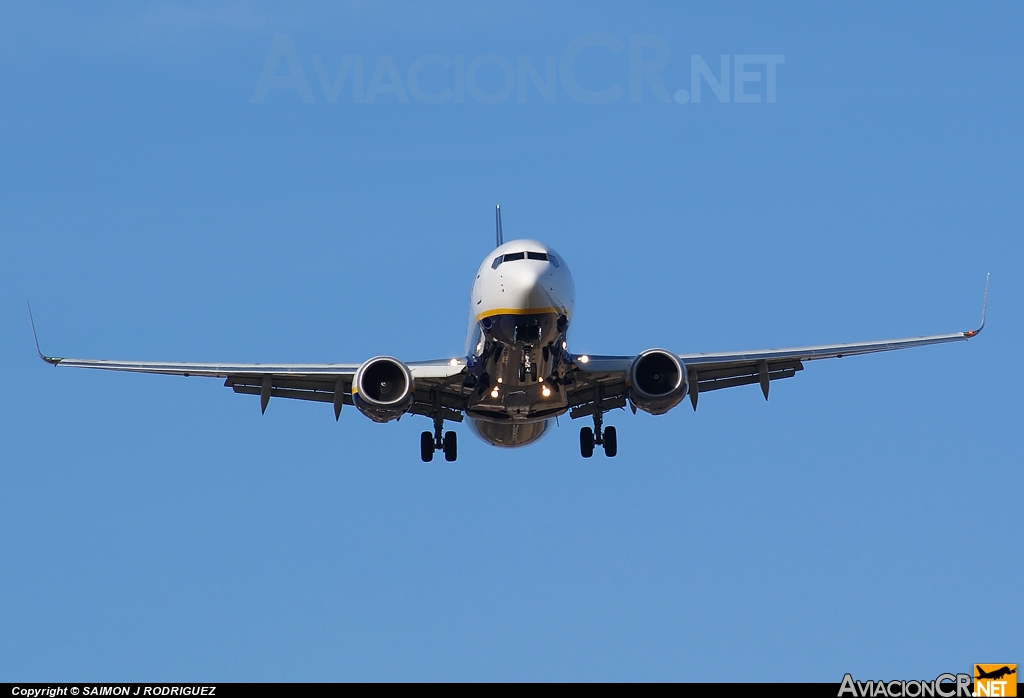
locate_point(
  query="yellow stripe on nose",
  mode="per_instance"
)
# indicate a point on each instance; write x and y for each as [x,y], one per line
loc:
[519,311]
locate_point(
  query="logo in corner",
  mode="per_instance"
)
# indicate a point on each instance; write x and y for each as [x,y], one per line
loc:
[995,680]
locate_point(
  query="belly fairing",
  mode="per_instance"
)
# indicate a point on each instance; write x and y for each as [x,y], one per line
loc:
[508,434]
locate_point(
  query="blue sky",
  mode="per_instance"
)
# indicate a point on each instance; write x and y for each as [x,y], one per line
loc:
[866,519]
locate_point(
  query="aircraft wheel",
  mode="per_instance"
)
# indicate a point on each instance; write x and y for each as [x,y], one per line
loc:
[586,442]
[451,446]
[427,446]
[611,442]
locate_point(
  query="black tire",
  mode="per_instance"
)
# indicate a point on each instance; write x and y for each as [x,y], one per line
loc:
[451,446]
[586,442]
[427,446]
[611,442]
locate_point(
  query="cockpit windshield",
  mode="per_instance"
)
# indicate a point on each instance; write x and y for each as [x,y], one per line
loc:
[516,256]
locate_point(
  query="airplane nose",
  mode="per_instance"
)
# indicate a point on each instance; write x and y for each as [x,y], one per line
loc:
[525,286]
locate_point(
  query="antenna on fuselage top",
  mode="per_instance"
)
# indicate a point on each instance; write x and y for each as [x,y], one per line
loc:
[497,223]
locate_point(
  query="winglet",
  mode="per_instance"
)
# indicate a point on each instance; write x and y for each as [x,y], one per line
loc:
[984,311]
[497,223]
[48,359]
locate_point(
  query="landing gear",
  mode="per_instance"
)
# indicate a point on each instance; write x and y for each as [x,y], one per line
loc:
[440,440]
[607,438]
[427,446]
[586,442]
[611,442]
[451,446]
[527,367]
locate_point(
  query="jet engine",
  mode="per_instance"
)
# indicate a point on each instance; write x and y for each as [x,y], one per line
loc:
[382,389]
[657,381]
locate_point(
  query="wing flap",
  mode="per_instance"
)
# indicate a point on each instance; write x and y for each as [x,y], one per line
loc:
[717,377]
[313,388]
[594,392]
[315,396]
[605,404]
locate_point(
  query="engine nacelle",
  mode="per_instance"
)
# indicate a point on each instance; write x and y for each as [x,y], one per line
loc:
[382,389]
[657,381]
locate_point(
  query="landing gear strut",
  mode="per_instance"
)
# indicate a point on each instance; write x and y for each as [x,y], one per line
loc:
[606,437]
[440,440]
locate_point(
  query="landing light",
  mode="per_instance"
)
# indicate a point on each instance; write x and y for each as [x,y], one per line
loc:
[564,345]
[584,359]
[499,380]
[494,393]
[545,391]
[453,362]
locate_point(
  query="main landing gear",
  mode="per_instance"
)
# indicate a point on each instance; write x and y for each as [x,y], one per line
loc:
[606,438]
[440,440]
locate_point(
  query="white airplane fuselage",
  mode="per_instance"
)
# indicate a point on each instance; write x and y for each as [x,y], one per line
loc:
[519,314]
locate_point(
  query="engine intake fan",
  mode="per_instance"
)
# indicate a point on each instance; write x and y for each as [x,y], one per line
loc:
[382,389]
[657,381]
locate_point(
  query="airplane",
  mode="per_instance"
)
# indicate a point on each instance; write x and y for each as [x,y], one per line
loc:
[997,674]
[517,374]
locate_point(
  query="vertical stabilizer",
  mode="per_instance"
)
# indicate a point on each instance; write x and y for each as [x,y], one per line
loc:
[497,223]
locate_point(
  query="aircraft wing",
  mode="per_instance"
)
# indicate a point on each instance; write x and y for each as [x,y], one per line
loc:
[601,381]
[317,382]
[439,384]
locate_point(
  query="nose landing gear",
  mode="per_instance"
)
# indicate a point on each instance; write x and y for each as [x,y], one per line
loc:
[527,367]
[605,437]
